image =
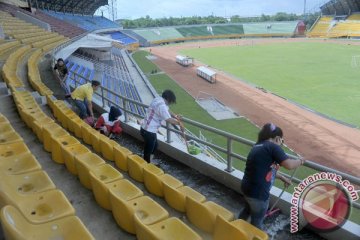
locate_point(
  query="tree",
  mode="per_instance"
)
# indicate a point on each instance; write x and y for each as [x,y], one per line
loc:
[147,21]
[310,19]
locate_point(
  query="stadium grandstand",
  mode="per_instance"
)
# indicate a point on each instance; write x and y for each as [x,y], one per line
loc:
[89,23]
[154,36]
[340,19]
[62,179]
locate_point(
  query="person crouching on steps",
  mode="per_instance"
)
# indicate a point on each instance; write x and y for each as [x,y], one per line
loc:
[261,168]
[82,96]
[157,112]
[109,123]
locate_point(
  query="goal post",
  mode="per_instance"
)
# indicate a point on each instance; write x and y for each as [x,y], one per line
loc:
[355,61]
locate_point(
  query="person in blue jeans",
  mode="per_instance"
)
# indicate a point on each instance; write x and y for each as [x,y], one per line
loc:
[82,97]
[262,164]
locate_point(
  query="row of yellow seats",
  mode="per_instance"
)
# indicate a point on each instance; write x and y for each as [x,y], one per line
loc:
[9,25]
[51,46]
[319,31]
[22,36]
[103,179]
[40,37]
[14,29]
[354,17]
[34,75]
[2,13]
[182,198]
[32,207]
[321,27]
[43,43]
[9,44]
[9,70]
[13,32]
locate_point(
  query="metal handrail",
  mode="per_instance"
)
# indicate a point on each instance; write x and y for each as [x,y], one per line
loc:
[231,138]
[227,135]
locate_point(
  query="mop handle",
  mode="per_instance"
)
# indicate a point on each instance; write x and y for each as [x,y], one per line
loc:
[282,192]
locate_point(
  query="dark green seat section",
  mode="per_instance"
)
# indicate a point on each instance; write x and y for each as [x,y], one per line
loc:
[228,29]
[194,31]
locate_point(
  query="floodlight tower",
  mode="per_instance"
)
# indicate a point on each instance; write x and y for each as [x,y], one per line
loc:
[304,9]
[113,9]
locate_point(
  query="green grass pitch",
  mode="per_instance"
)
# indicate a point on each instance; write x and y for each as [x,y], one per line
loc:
[317,75]
[189,108]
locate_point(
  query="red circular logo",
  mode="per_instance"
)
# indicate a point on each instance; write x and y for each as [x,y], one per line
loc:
[325,207]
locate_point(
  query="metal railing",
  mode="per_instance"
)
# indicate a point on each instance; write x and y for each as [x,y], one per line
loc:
[228,150]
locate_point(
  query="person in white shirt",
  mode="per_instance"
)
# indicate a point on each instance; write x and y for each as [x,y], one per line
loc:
[157,112]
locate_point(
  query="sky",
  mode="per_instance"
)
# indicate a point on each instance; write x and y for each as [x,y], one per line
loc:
[127,9]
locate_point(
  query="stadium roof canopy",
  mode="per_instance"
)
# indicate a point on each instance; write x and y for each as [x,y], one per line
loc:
[86,7]
[340,7]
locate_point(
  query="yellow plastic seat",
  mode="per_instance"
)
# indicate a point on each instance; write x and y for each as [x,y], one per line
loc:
[171,228]
[52,130]
[238,229]
[152,179]
[6,127]
[69,153]
[252,231]
[42,118]
[51,100]
[45,206]
[136,165]
[13,149]
[84,163]
[19,164]
[73,120]
[78,124]
[120,156]
[3,119]
[86,131]
[40,128]
[107,147]
[95,137]
[147,210]
[124,189]
[32,115]
[9,137]
[15,226]
[176,196]
[64,115]
[203,215]
[59,143]
[99,177]
[18,187]
[39,125]
[58,107]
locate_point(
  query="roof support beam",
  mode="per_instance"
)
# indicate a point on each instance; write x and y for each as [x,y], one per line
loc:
[70,6]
